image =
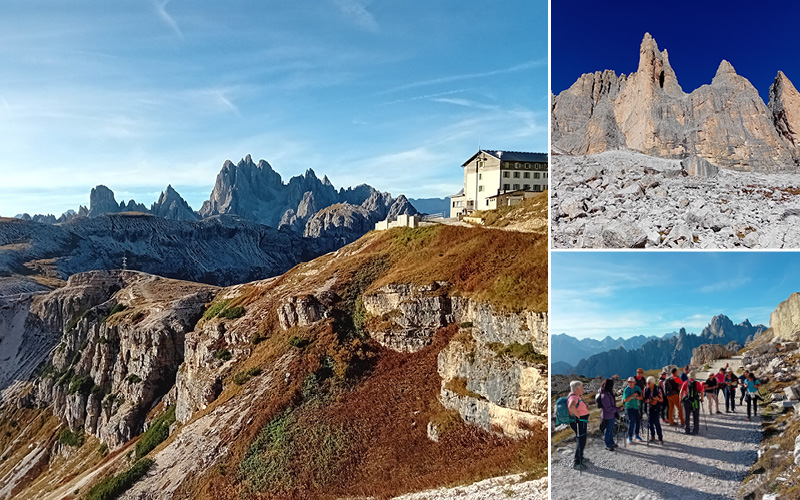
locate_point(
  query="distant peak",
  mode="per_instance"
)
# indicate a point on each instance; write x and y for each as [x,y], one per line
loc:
[248,159]
[310,174]
[725,68]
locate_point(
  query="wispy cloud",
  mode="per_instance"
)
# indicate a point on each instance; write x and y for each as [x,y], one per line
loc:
[467,76]
[356,10]
[161,10]
[729,284]
[464,102]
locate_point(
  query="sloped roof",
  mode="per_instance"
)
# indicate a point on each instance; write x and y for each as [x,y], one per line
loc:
[510,156]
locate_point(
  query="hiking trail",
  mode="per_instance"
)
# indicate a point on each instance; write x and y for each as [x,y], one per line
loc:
[707,466]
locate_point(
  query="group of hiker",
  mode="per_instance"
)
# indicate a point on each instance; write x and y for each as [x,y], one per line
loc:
[658,399]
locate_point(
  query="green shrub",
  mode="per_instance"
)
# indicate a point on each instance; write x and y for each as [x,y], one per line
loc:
[112,487]
[156,433]
[133,378]
[65,376]
[241,378]
[525,352]
[118,308]
[82,384]
[466,324]
[48,371]
[75,358]
[103,450]
[69,438]
[298,342]
[223,354]
[215,308]
[232,312]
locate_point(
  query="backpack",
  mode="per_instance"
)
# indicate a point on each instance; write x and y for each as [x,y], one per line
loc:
[562,414]
[598,399]
[671,387]
[691,393]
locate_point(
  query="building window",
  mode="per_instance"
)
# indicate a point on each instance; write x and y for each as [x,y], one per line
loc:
[544,174]
[480,189]
[505,174]
[516,186]
[516,175]
[480,177]
[528,166]
[518,165]
[487,202]
[506,187]
[527,187]
[527,175]
[536,175]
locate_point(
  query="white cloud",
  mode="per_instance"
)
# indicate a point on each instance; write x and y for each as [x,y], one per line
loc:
[161,10]
[729,284]
[356,10]
[467,76]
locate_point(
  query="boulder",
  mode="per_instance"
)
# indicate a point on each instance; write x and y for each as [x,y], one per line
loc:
[698,167]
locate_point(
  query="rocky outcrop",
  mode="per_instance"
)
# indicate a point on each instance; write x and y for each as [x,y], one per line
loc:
[785,319]
[706,353]
[121,341]
[784,103]
[725,122]
[698,167]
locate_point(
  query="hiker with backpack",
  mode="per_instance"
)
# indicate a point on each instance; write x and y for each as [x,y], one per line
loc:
[712,386]
[641,383]
[662,379]
[672,389]
[731,382]
[580,413]
[608,411]
[654,399]
[692,397]
[743,386]
[751,385]
[631,397]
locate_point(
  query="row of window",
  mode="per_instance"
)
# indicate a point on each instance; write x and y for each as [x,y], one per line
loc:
[526,187]
[525,175]
[526,166]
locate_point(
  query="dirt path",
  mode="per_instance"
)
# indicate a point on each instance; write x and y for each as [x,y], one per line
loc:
[707,466]
[513,486]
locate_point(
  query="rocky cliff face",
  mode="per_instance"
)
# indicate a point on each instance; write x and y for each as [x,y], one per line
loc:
[725,122]
[121,341]
[785,319]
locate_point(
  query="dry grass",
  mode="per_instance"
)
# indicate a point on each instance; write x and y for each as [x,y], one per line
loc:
[531,212]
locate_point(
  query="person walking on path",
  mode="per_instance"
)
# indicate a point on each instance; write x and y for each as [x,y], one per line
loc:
[654,399]
[631,397]
[641,383]
[731,382]
[672,389]
[743,386]
[608,412]
[711,391]
[752,384]
[578,409]
[692,397]
[661,380]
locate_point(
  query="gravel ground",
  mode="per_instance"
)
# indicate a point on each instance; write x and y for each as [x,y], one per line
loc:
[498,487]
[710,465]
[622,199]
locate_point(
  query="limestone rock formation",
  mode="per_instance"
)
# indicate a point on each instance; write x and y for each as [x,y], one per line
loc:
[171,205]
[785,319]
[706,353]
[725,122]
[101,201]
[698,167]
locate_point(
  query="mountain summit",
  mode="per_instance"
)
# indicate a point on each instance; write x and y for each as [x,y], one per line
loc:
[725,122]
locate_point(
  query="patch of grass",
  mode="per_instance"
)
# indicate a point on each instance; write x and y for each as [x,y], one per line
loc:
[466,324]
[156,433]
[458,385]
[69,438]
[524,352]
[75,358]
[241,378]
[103,450]
[81,384]
[223,309]
[298,342]
[48,371]
[112,487]
[133,378]
[223,354]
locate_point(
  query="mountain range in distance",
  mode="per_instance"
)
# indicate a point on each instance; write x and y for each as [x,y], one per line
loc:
[656,352]
[569,350]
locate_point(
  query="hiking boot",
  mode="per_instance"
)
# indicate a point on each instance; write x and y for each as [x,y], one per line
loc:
[630,441]
[719,412]
[611,448]
[747,418]
[660,441]
[638,438]
[579,467]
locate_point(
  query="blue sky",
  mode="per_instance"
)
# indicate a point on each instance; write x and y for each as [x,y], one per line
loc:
[588,37]
[139,94]
[622,294]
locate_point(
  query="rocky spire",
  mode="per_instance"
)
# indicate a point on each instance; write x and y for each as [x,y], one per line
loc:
[784,104]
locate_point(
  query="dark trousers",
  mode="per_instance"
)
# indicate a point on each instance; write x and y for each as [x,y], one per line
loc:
[580,436]
[692,413]
[730,400]
[664,409]
[744,391]
[634,421]
[751,398]
[654,423]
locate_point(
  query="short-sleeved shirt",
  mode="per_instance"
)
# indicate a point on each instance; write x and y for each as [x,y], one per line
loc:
[684,377]
[720,377]
[751,385]
[633,404]
[712,383]
[700,387]
[580,404]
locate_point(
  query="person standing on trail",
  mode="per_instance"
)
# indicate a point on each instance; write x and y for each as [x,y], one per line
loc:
[712,387]
[654,399]
[577,408]
[672,389]
[685,374]
[722,389]
[752,384]
[730,396]
[661,380]
[641,383]
[608,412]
[631,397]
[743,386]
[692,397]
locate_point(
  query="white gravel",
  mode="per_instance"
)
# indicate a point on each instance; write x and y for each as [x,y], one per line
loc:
[707,466]
[498,487]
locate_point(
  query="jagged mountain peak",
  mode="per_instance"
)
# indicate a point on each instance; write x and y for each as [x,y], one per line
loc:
[725,68]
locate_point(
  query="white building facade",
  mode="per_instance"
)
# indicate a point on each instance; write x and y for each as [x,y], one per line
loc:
[491,173]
